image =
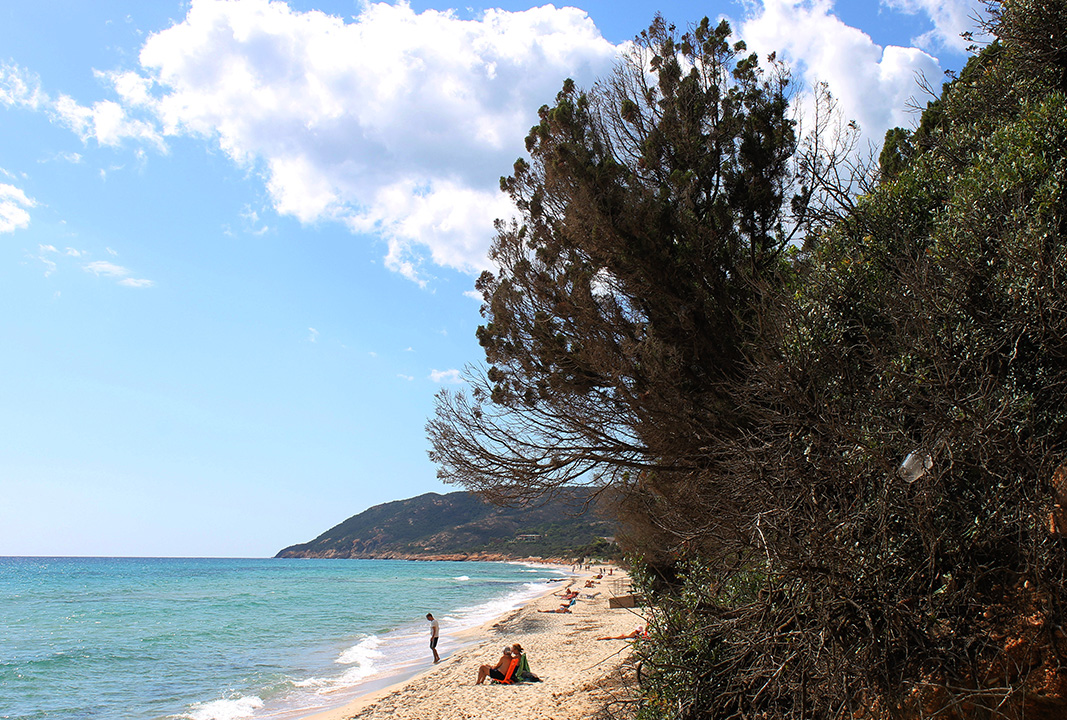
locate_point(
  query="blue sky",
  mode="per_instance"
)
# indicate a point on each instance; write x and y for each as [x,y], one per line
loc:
[238,240]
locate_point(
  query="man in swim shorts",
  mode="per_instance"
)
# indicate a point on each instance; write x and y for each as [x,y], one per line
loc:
[435,629]
[499,672]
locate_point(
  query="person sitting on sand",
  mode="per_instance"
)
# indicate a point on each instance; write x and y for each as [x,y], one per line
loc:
[522,672]
[499,671]
[637,632]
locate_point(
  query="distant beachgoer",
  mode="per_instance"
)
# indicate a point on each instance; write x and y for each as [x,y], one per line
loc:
[435,631]
[560,609]
[637,632]
[498,671]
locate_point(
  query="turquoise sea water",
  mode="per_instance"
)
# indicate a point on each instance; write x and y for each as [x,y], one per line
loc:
[214,639]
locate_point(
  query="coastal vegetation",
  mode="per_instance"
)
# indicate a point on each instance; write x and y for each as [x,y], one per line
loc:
[824,398]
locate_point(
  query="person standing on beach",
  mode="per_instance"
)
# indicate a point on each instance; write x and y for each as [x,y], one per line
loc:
[435,630]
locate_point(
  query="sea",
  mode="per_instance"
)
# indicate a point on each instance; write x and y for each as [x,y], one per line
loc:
[222,639]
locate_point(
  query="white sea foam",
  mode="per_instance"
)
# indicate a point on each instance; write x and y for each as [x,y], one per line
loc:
[362,653]
[472,616]
[462,578]
[232,709]
[314,683]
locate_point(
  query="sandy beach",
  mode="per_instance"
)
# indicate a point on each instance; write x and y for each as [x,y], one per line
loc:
[580,673]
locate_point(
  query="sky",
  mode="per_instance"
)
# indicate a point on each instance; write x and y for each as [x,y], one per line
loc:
[239,239]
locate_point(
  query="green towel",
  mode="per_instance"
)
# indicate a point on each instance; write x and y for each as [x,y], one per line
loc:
[523,673]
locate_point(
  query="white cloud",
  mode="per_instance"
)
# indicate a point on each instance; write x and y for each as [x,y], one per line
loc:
[73,252]
[105,121]
[50,265]
[110,252]
[446,376]
[313,334]
[951,19]
[136,282]
[409,378]
[71,157]
[398,123]
[20,88]
[252,222]
[873,84]
[14,208]
[103,267]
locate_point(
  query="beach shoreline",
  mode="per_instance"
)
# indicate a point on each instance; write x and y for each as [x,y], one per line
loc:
[562,649]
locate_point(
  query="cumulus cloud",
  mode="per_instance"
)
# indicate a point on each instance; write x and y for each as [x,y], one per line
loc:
[951,18]
[14,208]
[107,122]
[446,376]
[398,123]
[873,84]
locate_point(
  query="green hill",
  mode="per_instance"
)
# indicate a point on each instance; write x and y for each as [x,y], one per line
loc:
[461,525]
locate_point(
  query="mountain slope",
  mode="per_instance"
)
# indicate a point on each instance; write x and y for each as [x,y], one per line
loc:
[461,525]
